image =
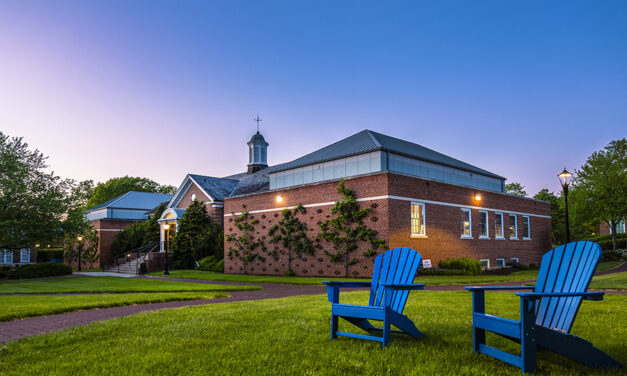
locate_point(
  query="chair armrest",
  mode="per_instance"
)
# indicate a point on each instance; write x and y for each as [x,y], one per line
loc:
[595,295]
[411,286]
[347,284]
[333,288]
[497,288]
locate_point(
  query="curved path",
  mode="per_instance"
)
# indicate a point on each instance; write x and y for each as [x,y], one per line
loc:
[17,329]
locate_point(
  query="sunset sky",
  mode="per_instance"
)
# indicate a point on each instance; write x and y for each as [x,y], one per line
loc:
[160,89]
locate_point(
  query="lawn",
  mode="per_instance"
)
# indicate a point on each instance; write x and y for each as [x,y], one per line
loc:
[432,280]
[290,336]
[614,281]
[18,307]
[84,284]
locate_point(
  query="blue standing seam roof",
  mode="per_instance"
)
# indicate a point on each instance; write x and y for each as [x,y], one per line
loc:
[134,200]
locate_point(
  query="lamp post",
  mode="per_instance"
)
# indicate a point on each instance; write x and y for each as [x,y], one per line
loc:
[565,177]
[166,227]
[80,250]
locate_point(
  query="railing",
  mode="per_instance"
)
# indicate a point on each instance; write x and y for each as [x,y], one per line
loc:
[135,254]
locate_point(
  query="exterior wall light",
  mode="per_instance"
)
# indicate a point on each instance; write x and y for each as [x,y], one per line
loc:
[166,226]
[279,199]
[79,238]
[478,197]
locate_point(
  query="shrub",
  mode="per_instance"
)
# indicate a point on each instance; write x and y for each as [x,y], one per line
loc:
[473,267]
[611,255]
[44,269]
[212,264]
[47,255]
[605,241]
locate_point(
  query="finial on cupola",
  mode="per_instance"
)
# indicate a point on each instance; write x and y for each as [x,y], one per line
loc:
[257,151]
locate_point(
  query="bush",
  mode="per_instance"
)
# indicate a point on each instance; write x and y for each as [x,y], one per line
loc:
[605,241]
[473,267]
[434,271]
[519,266]
[611,255]
[44,269]
[47,256]
[212,264]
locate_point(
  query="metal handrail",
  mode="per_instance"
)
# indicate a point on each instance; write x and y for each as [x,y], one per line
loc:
[137,261]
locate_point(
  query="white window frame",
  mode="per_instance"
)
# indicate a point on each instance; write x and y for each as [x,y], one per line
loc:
[6,257]
[528,237]
[487,263]
[487,226]
[515,237]
[499,214]
[620,227]
[514,259]
[23,252]
[497,262]
[424,220]
[469,236]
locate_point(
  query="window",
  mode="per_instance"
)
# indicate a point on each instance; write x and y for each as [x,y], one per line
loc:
[485,263]
[418,219]
[620,227]
[483,225]
[514,260]
[500,262]
[6,257]
[498,226]
[466,223]
[513,228]
[526,230]
[24,255]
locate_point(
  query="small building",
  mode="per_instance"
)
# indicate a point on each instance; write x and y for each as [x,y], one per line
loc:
[420,198]
[113,216]
[18,257]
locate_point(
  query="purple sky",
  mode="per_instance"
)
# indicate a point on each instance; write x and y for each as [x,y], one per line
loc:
[157,89]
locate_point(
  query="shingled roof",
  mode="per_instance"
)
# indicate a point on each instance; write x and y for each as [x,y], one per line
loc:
[368,141]
[217,188]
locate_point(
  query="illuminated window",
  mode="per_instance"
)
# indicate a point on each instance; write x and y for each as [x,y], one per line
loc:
[513,228]
[483,224]
[526,230]
[498,226]
[466,223]
[418,219]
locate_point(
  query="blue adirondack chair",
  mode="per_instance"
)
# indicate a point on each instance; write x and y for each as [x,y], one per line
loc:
[546,314]
[392,278]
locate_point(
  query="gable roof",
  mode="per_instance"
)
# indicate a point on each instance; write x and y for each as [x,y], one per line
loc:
[368,141]
[134,200]
[217,188]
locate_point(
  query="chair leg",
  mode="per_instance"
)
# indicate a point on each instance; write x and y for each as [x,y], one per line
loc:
[334,322]
[387,327]
[528,335]
[478,306]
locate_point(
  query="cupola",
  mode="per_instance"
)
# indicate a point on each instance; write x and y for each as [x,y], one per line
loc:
[257,153]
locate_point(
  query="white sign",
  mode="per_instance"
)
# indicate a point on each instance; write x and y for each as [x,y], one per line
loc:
[426,263]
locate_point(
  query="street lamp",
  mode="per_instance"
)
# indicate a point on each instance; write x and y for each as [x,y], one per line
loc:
[166,227]
[565,178]
[80,250]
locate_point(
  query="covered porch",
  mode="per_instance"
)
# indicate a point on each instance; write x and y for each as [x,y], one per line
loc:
[168,225]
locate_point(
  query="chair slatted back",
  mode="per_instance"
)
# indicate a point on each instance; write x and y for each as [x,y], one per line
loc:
[567,268]
[396,266]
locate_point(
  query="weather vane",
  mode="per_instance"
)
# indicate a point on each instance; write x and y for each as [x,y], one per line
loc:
[257,119]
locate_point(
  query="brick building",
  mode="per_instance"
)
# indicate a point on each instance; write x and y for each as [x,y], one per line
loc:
[115,215]
[420,198]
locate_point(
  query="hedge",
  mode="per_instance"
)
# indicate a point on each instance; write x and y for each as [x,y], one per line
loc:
[473,267]
[605,241]
[43,269]
[212,264]
[46,256]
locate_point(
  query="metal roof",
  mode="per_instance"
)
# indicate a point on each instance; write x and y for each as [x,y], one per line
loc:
[134,200]
[368,141]
[217,188]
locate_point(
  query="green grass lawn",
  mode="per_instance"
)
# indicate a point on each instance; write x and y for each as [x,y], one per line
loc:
[290,336]
[524,275]
[615,281]
[433,280]
[84,284]
[19,307]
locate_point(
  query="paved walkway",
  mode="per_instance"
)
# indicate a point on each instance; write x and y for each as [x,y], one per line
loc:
[13,330]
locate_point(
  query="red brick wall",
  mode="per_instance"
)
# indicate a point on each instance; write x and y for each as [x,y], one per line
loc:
[216,213]
[391,219]
[107,229]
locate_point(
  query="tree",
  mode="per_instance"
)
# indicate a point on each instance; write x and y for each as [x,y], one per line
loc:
[196,237]
[292,234]
[602,181]
[81,250]
[115,187]
[138,234]
[515,189]
[33,203]
[557,214]
[346,229]
[245,244]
